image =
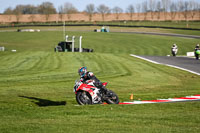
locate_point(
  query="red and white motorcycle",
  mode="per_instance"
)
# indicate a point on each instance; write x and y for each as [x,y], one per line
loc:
[87,93]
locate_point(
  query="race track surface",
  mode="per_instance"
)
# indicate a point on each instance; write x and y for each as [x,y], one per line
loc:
[186,63]
[166,34]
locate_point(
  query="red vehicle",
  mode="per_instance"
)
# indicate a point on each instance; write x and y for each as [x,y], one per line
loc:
[87,93]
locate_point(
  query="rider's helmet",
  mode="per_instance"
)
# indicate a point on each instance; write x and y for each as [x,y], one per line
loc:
[82,71]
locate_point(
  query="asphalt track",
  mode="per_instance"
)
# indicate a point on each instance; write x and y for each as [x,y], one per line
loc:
[165,34]
[184,63]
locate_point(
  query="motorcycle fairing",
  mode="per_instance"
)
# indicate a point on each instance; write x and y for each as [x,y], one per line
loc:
[105,83]
[90,89]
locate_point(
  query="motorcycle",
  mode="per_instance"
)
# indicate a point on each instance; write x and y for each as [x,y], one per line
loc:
[88,93]
[197,53]
[174,51]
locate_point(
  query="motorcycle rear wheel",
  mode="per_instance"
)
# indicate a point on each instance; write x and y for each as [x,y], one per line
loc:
[112,99]
[83,98]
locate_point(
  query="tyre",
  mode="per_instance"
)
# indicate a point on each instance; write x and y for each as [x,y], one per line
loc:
[112,98]
[173,53]
[83,98]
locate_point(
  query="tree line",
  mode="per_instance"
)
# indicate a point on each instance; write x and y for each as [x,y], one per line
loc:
[187,8]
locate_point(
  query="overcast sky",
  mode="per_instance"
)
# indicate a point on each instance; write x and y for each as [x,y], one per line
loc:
[79,4]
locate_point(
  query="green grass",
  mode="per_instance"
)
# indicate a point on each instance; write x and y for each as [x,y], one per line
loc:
[172,24]
[175,24]
[116,43]
[35,84]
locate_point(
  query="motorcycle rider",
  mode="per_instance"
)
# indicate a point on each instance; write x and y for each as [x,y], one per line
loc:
[174,49]
[196,54]
[89,76]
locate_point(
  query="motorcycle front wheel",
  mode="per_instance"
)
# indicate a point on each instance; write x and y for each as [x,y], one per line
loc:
[83,98]
[112,98]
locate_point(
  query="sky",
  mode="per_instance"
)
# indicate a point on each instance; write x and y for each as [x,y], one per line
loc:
[79,4]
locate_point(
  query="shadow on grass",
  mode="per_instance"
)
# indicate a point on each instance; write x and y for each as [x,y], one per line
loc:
[44,102]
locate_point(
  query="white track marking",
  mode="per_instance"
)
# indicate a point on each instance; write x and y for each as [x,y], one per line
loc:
[169,100]
[165,64]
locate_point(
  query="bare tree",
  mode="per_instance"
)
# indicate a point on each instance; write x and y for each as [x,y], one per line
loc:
[165,5]
[8,11]
[23,9]
[103,10]
[32,17]
[69,9]
[185,9]
[145,9]
[29,9]
[131,10]
[152,7]
[18,12]
[198,9]
[193,7]
[138,7]
[46,8]
[180,6]
[61,12]
[90,10]
[117,10]
[173,10]
[158,9]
